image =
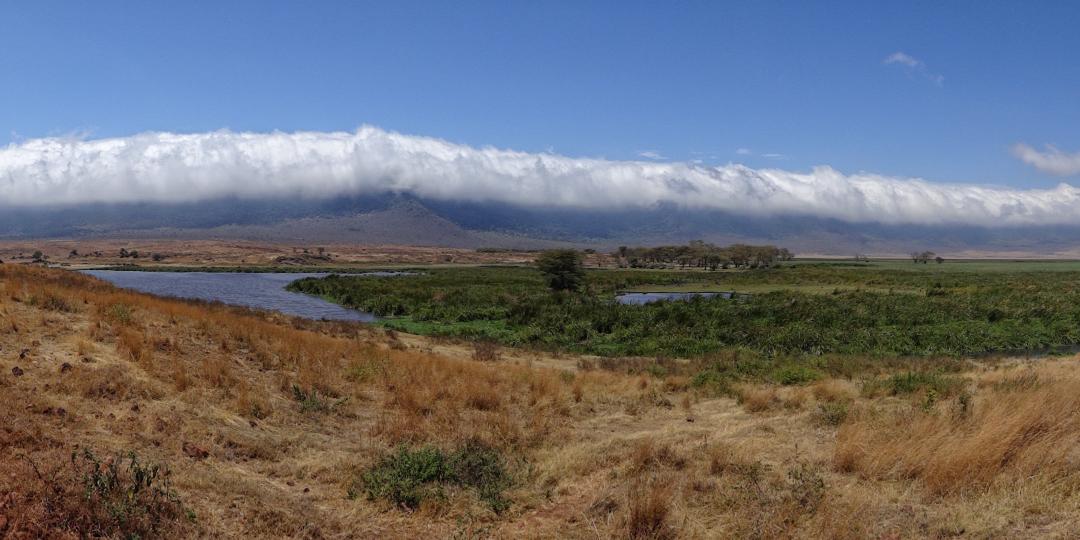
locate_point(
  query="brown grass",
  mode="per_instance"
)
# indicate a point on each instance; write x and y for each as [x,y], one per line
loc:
[1008,434]
[208,391]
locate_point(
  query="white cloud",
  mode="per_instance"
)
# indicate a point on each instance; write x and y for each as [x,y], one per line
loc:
[902,58]
[774,155]
[743,151]
[651,154]
[913,65]
[169,167]
[1051,160]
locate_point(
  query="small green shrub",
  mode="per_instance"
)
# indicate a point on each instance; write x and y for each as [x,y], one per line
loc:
[125,497]
[805,486]
[407,477]
[832,413]
[311,401]
[913,381]
[794,374]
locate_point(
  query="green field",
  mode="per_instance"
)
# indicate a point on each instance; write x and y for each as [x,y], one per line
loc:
[885,308]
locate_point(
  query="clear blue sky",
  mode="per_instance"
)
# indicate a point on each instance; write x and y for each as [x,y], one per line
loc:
[687,80]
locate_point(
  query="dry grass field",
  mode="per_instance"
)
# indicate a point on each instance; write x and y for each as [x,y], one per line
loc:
[128,415]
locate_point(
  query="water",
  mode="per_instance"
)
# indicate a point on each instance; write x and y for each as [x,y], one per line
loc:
[638,298]
[255,290]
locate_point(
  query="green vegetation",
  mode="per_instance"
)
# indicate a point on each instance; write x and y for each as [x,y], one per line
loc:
[893,308]
[124,497]
[410,476]
[562,269]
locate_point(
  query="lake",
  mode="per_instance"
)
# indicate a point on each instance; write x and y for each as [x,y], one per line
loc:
[637,298]
[255,290]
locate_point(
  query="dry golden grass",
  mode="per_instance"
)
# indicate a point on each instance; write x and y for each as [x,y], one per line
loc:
[1021,427]
[266,423]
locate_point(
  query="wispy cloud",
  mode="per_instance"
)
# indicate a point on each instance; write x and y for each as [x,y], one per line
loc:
[1051,160]
[913,66]
[651,154]
[768,155]
[170,167]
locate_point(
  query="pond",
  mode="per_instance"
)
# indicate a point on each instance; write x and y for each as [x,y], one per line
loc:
[637,298]
[255,290]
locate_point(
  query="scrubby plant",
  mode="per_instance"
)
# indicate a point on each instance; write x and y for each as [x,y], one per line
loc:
[311,401]
[410,476]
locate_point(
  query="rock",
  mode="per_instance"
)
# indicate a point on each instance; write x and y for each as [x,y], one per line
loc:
[17,371]
[65,367]
[195,451]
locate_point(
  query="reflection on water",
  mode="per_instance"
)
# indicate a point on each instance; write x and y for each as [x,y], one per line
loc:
[255,290]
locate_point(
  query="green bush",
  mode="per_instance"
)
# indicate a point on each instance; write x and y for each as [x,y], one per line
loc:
[311,401]
[881,311]
[793,374]
[913,381]
[407,477]
[832,413]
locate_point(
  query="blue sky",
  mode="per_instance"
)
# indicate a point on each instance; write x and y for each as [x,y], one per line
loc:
[686,81]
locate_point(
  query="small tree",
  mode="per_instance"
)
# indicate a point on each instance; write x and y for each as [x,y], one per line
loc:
[38,256]
[939,259]
[562,269]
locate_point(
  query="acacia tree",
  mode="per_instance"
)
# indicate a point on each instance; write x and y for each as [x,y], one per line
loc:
[562,268]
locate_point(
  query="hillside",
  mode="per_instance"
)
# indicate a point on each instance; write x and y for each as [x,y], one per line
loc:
[273,427]
[403,219]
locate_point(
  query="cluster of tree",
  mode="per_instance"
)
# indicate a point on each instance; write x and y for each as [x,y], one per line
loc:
[925,257]
[699,254]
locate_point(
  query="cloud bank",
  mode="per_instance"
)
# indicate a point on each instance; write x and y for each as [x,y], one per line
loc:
[1051,161]
[169,167]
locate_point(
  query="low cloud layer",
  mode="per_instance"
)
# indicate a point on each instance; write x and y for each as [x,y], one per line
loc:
[168,167]
[1051,160]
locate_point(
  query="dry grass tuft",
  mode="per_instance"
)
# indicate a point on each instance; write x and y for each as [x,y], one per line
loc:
[1006,434]
[648,510]
[756,398]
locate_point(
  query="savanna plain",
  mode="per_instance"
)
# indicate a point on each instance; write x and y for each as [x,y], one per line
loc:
[828,400]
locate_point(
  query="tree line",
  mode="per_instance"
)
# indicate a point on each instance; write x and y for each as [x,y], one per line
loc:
[700,254]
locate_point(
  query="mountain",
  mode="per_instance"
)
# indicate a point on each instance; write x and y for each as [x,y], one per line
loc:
[394,218]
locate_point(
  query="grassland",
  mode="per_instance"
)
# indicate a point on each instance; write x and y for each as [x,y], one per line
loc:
[245,424]
[810,308]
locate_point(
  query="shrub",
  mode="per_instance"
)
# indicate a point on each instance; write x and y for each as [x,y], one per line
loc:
[118,314]
[832,413]
[410,476]
[796,374]
[310,401]
[486,351]
[648,508]
[912,381]
[119,497]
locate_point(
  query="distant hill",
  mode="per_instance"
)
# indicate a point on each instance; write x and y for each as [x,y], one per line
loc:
[391,218]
